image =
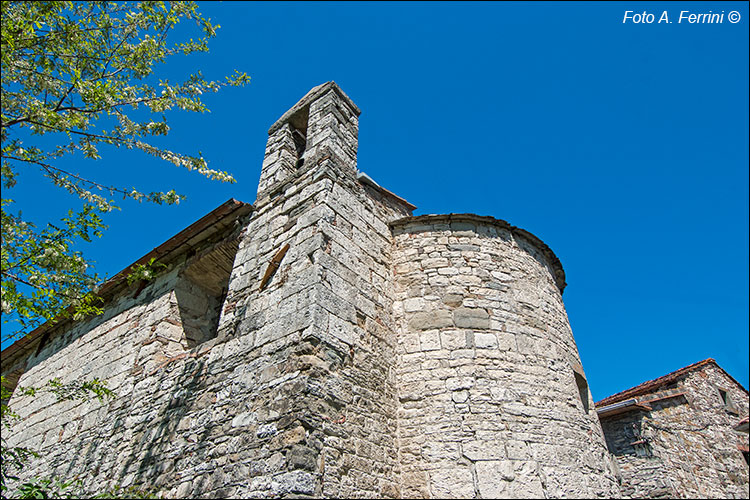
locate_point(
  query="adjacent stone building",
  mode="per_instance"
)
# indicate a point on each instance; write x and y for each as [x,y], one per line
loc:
[324,342]
[683,435]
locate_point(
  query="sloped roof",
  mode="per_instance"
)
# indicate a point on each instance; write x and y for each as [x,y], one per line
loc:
[229,210]
[654,385]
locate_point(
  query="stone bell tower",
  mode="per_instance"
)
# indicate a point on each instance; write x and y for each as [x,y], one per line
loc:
[310,303]
[325,119]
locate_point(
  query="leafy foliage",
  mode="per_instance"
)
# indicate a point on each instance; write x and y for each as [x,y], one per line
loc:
[145,272]
[46,263]
[78,77]
[48,488]
[68,67]
[57,488]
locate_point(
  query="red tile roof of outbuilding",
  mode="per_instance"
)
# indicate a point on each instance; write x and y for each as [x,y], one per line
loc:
[653,385]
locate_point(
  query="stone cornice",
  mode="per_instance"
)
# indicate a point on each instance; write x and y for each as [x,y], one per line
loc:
[559,273]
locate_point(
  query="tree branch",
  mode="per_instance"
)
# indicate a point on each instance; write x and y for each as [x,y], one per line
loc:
[20,280]
[111,189]
[70,89]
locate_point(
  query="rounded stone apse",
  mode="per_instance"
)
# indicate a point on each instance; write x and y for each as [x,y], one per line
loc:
[493,400]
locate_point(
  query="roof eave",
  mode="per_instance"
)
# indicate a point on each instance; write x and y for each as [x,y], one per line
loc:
[231,207]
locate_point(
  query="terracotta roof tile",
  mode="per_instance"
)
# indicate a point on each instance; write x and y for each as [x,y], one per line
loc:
[653,385]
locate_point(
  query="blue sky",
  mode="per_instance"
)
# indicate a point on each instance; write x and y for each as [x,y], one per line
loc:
[622,146]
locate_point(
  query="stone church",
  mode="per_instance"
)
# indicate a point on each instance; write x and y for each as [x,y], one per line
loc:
[325,342]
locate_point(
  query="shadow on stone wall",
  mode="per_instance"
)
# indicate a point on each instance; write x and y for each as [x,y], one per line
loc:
[142,435]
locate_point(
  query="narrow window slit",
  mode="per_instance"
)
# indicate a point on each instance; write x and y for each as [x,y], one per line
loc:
[583,390]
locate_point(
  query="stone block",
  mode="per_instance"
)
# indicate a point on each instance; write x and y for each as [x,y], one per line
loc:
[430,340]
[466,280]
[517,450]
[414,304]
[453,339]
[266,430]
[293,482]
[463,226]
[430,320]
[410,342]
[508,479]
[452,482]
[485,340]
[506,341]
[483,450]
[527,344]
[453,299]
[447,271]
[438,281]
[460,396]
[302,457]
[545,453]
[458,383]
[292,436]
[184,489]
[471,318]
[406,268]
[342,329]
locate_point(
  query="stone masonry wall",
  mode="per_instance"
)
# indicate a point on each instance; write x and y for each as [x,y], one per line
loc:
[689,433]
[141,347]
[350,358]
[115,441]
[294,396]
[490,407]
